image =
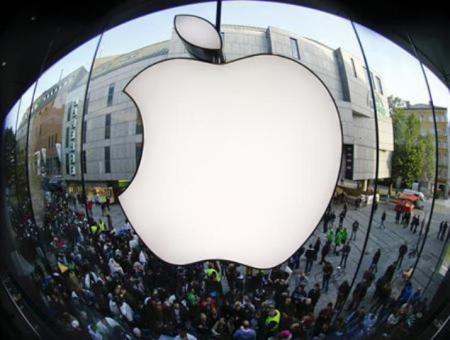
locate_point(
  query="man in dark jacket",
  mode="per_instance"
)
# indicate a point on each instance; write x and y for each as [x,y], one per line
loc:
[402,250]
[444,229]
[383,218]
[316,248]
[376,257]
[325,250]
[327,272]
[358,294]
[355,227]
[314,295]
[309,254]
[345,251]
[343,291]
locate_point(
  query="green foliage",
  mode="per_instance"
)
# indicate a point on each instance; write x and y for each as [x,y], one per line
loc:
[413,157]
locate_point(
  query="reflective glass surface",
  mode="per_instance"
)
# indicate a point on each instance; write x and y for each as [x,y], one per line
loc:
[74,140]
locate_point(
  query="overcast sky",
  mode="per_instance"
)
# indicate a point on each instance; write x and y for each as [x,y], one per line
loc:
[400,72]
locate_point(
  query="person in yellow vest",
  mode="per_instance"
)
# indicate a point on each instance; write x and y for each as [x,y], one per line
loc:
[214,278]
[101,226]
[272,323]
[213,274]
[94,228]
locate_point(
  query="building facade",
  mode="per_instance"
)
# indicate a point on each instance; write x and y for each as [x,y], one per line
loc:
[112,132]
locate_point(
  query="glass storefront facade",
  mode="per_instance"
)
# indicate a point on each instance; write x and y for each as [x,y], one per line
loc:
[74,140]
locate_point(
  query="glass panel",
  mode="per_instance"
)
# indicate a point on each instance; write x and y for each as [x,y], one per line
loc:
[23,216]
[54,181]
[10,211]
[112,148]
[434,261]
[112,119]
[327,45]
[405,178]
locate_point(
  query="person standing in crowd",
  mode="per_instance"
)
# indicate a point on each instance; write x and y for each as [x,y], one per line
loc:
[184,335]
[309,254]
[390,271]
[342,217]
[314,295]
[326,220]
[344,235]
[406,219]
[376,257]
[342,294]
[325,251]
[327,271]
[355,227]
[402,250]
[345,251]
[398,214]
[330,234]
[245,332]
[89,205]
[358,294]
[272,322]
[316,247]
[383,219]
[414,224]
[337,240]
[442,230]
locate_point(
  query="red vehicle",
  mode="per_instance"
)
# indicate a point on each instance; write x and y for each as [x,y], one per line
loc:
[406,203]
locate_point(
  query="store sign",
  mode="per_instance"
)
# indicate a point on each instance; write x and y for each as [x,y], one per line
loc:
[240,160]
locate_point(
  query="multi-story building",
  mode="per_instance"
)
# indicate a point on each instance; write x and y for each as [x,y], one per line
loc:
[112,132]
[425,113]
[46,125]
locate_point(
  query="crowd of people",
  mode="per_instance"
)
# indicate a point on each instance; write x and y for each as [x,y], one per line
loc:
[99,281]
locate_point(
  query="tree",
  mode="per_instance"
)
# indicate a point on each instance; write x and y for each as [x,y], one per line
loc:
[413,156]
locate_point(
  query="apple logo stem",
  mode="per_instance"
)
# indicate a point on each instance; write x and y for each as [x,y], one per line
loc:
[200,37]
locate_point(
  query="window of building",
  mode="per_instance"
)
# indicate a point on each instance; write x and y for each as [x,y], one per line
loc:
[294,49]
[107,160]
[139,125]
[67,164]
[110,95]
[67,136]
[83,161]
[354,68]
[138,152]
[380,88]
[69,111]
[108,126]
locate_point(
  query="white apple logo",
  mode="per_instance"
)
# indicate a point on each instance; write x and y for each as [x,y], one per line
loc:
[240,159]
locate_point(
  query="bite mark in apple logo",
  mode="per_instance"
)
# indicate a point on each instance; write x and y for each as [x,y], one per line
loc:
[240,159]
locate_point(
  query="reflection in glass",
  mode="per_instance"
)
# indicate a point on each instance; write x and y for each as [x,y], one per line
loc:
[85,269]
[434,260]
[405,127]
